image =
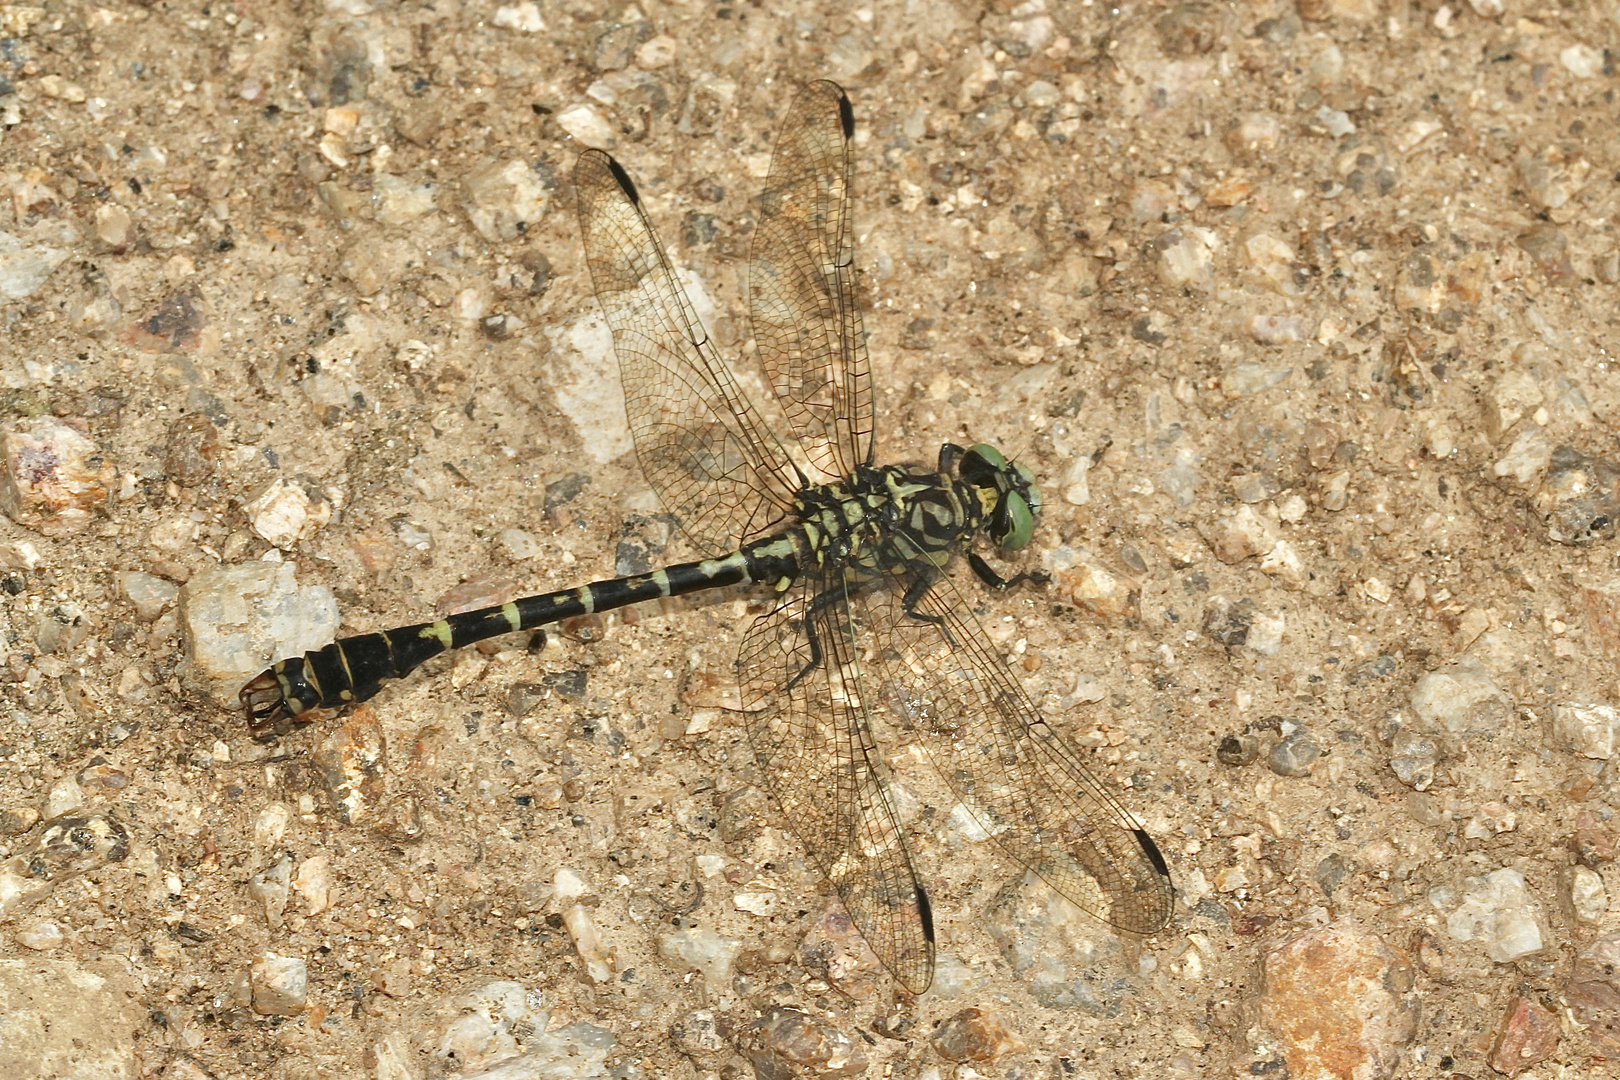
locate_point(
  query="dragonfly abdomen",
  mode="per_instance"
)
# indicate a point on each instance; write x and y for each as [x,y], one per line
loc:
[353,669]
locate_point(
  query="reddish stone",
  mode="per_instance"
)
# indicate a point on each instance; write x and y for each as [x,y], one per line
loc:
[1528,1035]
[1340,1001]
[974,1035]
[1593,991]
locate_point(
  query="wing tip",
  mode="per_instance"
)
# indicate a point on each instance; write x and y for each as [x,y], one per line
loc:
[846,112]
[1151,850]
[627,185]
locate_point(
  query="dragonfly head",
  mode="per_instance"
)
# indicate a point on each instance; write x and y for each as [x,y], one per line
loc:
[1008,493]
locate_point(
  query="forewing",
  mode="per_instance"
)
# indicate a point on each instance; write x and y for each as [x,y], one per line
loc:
[1026,786]
[701,445]
[810,733]
[801,284]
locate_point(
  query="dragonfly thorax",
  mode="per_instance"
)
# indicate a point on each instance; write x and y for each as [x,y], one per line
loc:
[886,518]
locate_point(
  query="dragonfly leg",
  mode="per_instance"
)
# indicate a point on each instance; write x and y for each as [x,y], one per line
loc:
[914,595]
[820,601]
[984,573]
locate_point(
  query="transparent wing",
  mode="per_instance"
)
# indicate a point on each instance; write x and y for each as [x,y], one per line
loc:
[809,729]
[801,284]
[700,443]
[1025,785]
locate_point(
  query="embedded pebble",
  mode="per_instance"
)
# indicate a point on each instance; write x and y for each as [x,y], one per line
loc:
[503,199]
[1255,134]
[520,545]
[397,200]
[788,1042]
[1294,755]
[1582,61]
[51,476]
[350,765]
[313,883]
[1094,587]
[1526,1036]
[1229,623]
[54,86]
[1497,910]
[65,797]
[834,946]
[1526,457]
[1551,180]
[478,1027]
[1593,992]
[60,850]
[576,918]
[1187,257]
[16,820]
[1277,329]
[697,1035]
[270,887]
[1246,380]
[1590,730]
[148,594]
[1335,491]
[1579,499]
[114,227]
[1585,894]
[1440,440]
[1341,1002]
[271,824]
[588,126]
[1461,698]
[524,18]
[1265,634]
[283,512]
[656,52]
[1600,601]
[703,950]
[1243,534]
[1238,749]
[1066,958]
[25,267]
[1273,262]
[974,1035]
[41,935]
[192,448]
[1512,396]
[1255,487]
[1377,590]
[280,985]
[1321,441]
[1333,122]
[1413,759]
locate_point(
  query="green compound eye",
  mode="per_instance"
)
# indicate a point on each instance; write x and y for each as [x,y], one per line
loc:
[1019,522]
[990,454]
[1027,478]
[981,464]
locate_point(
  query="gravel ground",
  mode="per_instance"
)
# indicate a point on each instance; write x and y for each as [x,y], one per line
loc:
[1303,316]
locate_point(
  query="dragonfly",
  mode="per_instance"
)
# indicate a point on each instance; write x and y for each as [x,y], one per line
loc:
[865,629]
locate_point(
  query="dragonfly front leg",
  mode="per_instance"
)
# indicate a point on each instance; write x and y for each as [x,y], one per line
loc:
[984,573]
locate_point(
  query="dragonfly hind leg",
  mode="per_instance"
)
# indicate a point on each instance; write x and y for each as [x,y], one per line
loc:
[818,603]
